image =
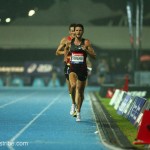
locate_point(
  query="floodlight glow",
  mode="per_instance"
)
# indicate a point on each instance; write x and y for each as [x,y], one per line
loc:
[8,20]
[31,13]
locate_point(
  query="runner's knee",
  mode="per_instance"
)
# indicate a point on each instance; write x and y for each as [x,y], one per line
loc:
[73,85]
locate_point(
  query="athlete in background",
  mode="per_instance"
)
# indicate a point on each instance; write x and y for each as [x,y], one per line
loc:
[61,51]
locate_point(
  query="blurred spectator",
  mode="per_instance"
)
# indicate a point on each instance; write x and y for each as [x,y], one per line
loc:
[130,66]
[8,79]
[145,66]
[112,65]
[102,70]
[89,68]
[119,66]
[54,78]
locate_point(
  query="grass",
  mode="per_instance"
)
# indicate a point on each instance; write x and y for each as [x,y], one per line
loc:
[129,130]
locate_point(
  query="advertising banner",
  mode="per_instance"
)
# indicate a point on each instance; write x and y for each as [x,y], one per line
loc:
[136,109]
[38,68]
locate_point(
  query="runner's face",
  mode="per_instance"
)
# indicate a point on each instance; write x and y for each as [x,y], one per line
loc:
[78,32]
[72,32]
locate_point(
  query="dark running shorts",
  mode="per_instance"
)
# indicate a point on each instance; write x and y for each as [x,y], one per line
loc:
[81,71]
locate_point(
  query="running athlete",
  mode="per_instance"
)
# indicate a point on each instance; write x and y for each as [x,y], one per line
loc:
[61,51]
[79,49]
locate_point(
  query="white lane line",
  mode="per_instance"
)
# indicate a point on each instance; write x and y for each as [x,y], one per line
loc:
[12,140]
[12,102]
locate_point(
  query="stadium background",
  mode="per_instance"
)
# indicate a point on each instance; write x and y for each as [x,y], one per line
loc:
[27,58]
[27,40]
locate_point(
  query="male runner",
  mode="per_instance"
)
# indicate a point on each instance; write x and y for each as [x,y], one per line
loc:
[79,48]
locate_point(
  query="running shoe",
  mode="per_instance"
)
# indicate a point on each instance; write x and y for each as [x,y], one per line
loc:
[72,110]
[74,114]
[78,117]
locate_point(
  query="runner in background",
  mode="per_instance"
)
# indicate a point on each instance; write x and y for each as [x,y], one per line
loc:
[61,51]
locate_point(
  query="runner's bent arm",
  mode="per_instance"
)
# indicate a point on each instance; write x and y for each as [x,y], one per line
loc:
[60,49]
[67,49]
[89,49]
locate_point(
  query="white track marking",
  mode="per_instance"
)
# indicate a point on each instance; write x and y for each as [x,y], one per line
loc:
[12,102]
[32,121]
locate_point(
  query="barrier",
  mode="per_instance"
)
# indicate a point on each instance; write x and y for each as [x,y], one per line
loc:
[128,107]
[139,118]
[123,104]
[138,93]
[136,109]
[119,99]
[143,91]
[131,106]
[143,136]
[114,97]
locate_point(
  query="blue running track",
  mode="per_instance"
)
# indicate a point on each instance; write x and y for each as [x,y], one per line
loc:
[39,119]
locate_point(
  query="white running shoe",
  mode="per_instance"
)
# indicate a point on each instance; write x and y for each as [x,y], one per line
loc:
[78,118]
[72,110]
[75,111]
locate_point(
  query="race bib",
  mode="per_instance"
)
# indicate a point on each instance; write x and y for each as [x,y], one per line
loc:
[77,58]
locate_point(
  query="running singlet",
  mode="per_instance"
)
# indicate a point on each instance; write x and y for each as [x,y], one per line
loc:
[78,60]
[69,38]
[78,55]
